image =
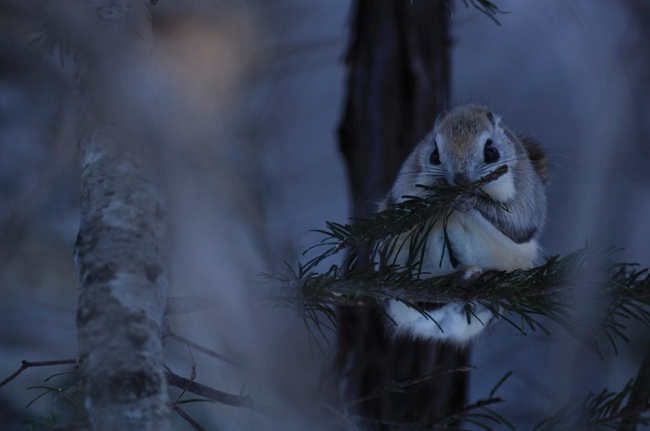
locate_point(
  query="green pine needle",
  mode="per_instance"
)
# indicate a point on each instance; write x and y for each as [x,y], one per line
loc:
[525,299]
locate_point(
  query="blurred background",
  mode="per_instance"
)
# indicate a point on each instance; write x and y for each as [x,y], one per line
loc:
[253,92]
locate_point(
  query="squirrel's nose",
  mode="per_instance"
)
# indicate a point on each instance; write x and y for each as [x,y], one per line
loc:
[461,180]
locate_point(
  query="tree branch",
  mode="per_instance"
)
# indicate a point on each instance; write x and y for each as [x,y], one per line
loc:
[438,425]
[187,418]
[201,349]
[27,364]
[220,396]
[398,386]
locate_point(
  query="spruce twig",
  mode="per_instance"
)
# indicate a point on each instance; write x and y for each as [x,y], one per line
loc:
[602,411]
[380,231]
[527,293]
[519,297]
[486,7]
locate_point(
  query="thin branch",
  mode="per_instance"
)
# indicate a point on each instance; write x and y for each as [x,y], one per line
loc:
[201,349]
[538,291]
[173,380]
[470,408]
[438,425]
[547,290]
[187,417]
[27,364]
[397,386]
[381,228]
[220,396]
[623,416]
[603,410]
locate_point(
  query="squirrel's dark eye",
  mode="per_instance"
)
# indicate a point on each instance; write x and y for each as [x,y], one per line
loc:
[434,158]
[490,154]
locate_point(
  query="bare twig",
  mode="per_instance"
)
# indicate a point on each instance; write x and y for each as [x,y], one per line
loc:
[187,418]
[201,349]
[438,425]
[27,364]
[220,396]
[623,416]
[397,386]
[470,407]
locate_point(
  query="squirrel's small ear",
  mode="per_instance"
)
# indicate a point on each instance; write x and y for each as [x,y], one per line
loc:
[439,119]
[490,116]
[493,118]
[538,157]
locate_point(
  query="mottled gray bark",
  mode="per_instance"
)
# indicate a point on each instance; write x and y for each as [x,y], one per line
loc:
[119,249]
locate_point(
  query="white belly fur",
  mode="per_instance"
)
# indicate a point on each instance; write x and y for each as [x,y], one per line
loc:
[476,242]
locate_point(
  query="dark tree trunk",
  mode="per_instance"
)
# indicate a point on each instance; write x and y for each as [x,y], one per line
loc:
[398,82]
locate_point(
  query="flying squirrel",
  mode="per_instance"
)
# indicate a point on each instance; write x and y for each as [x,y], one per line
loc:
[497,232]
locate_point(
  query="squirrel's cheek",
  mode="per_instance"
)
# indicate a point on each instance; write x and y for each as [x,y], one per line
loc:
[502,189]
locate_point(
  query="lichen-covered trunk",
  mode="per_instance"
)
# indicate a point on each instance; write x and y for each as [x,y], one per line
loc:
[398,82]
[122,292]
[119,250]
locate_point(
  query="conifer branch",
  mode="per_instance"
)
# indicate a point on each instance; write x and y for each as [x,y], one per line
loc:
[486,7]
[540,291]
[627,289]
[602,411]
[381,231]
[519,297]
[476,412]
[442,425]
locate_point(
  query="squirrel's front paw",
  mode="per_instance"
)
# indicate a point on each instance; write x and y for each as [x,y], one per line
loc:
[464,202]
[467,275]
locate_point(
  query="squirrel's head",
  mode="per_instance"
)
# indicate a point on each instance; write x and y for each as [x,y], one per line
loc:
[466,144]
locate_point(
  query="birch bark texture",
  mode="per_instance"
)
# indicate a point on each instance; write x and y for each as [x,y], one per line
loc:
[119,250]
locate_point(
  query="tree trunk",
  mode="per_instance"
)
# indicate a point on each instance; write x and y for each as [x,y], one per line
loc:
[119,248]
[398,82]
